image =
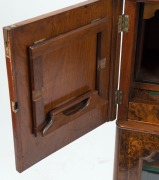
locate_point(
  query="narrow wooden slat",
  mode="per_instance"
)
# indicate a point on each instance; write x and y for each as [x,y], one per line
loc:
[37,92]
[147,86]
[46,46]
[128,57]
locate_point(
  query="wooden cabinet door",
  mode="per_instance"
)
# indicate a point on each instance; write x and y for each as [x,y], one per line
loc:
[59,73]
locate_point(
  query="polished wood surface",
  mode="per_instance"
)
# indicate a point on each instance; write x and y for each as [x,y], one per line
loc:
[63,72]
[96,108]
[147,86]
[128,57]
[146,112]
[143,106]
[128,65]
[132,145]
[115,54]
[137,124]
[35,92]
[63,68]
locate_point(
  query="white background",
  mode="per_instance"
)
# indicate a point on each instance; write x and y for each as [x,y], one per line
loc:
[88,158]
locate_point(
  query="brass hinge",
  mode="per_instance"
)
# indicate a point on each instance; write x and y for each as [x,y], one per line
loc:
[15,106]
[123,24]
[101,63]
[118,97]
[6,43]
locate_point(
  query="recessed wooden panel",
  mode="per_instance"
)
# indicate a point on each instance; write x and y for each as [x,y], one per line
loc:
[63,68]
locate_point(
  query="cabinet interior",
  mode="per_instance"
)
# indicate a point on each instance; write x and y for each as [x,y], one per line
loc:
[144,98]
[147,51]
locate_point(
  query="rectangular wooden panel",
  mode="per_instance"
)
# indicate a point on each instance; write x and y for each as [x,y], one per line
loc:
[146,112]
[63,68]
[143,106]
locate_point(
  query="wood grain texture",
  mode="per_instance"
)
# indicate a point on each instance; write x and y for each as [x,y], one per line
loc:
[137,124]
[37,93]
[28,148]
[64,68]
[143,106]
[115,53]
[147,96]
[147,86]
[95,109]
[10,64]
[146,112]
[133,145]
[128,57]
[128,83]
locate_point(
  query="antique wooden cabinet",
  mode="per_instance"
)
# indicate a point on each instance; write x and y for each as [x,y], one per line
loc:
[72,70]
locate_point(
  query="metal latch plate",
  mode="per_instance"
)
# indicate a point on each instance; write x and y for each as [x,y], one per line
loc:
[5,34]
[118,97]
[102,63]
[123,24]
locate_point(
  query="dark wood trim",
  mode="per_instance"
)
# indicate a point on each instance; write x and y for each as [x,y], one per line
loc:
[61,40]
[146,86]
[10,64]
[138,126]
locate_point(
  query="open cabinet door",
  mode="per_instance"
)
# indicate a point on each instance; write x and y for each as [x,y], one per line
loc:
[59,78]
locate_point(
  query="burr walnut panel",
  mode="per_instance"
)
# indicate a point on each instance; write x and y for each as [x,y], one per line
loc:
[133,145]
